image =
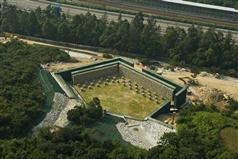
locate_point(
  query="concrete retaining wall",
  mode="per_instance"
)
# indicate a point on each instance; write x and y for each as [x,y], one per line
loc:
[180,97]
[95,74]
[177,87]
[67,74]
[146,82]
[68,91]
[164,109]
[119,66]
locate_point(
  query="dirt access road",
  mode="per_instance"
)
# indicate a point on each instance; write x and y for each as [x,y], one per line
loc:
[81,56]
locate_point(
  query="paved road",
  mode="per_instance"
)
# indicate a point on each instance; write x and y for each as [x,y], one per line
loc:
[73,10]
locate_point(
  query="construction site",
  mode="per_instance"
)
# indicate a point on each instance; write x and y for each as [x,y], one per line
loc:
[202,87]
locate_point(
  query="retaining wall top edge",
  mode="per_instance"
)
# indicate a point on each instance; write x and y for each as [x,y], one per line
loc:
[94,68]
[124,62]
[64,86]
[89,65]
[181,90]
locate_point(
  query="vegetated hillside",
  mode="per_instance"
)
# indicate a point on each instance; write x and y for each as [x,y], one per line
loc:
[230,137]
[73,142]
[197,135]
[21,96]
[22,101]
[227,3]
[195,47]
[68,143]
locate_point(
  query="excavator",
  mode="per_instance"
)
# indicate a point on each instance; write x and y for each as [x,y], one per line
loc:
[189,81]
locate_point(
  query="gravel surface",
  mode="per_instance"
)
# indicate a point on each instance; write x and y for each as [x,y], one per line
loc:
[60,102]
[143,134]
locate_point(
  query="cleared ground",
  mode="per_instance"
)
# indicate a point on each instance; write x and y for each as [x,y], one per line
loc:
[121,100]
[230,138]
[227,85]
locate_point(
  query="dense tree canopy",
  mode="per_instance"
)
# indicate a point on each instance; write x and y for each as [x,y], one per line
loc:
[86,115]
[67,143]
[193,47]
[197,136]
[21,96]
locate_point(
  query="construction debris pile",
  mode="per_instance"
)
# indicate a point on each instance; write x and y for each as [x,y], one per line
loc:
[203,87]
[210,96]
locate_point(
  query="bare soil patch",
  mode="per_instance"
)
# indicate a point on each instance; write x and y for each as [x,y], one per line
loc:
[207,84]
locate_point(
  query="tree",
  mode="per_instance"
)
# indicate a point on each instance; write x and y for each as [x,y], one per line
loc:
[138,22]
[150,39]
[134,33]
[194,47]
[122,156]
[95,109]
[33,24]
[63,32]
[10,19]
[97,153]
[108,37]
[75,115]
[21,95]
[48,29]
[84,116]
[121,36]
[172,39]
[53,11]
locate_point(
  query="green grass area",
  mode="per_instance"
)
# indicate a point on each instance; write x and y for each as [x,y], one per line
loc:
[230,138]
[121,100]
